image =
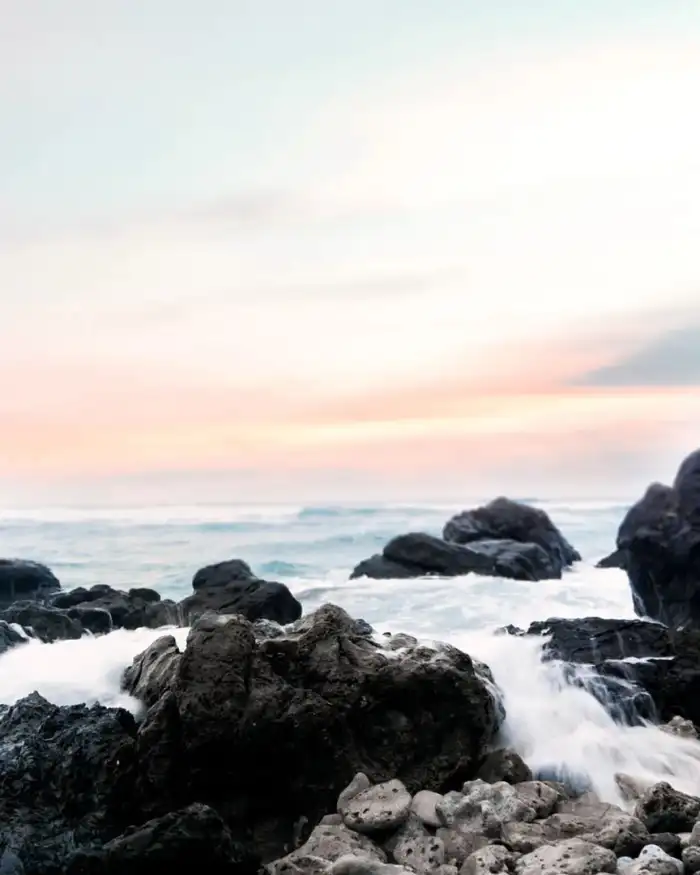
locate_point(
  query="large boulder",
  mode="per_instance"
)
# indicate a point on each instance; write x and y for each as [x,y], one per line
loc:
[67,779]
[21,579]
[135,609]
[660,537]
[504,519]
[268,731]
[642,670]
[232,588]
[419,555]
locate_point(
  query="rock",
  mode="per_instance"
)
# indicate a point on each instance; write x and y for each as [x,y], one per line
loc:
[538,796]
[384,806]
[358,785]
[616,559]
[694,836]
[504,765]
[10,636]
[153,670]
[572,857]
[663,809]
[191,839]
[424,806]
[460,844]
[484,808]
[24,580]
[630,788]
[42,622]
[690,858]
[233,716]
[503,519]
[418,555]
[232,588]
[135,609]
[661,538]
[415,848]
[358,865]
[67,779]
[97,621]
[653,861]
[489,861]
[330,843]
[668,842]
[680,727]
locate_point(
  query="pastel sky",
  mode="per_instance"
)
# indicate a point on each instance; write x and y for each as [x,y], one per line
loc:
[271,249]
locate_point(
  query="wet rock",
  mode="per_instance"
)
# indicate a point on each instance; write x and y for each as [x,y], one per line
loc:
[616,559]
[97,621]
[503,519]
[424,806]
[135,609]
[378,567]
[44,623]
[663,809]
[382,807]
[504,765]
[572,857]
[630,788]
[680,727]
[232,588]
[22,580]
[10,636]
[414,847]
[307,712]
[661,538]
[652,860]
[193,838]
[151,673]
[489,861]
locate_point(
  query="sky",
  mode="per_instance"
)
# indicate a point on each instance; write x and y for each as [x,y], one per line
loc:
[270,250]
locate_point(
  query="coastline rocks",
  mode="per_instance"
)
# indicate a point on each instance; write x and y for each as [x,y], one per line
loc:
[663,809]
[660,536]
[502,539]
[45,623]
[21,579]
[616,559]
[134,609]
[504,765]
[572,857]
[232,588]
[234,716]
[10,637]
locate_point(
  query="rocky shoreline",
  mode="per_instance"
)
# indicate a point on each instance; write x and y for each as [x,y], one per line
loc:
[312,745]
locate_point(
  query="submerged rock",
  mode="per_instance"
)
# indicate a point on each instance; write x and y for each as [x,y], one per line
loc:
[21,579]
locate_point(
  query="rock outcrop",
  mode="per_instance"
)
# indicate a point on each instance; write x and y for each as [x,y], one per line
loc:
[502,539]
[135,609]
[23,580]
[660,538]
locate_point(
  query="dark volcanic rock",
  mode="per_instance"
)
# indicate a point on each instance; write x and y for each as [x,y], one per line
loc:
[232,588]
[135,609]
[266,731]
[9,637]
[20,579]
[663,809]
[191,839]
[662,679]
[503,519]
[45,623]
[616,559]
[67,778]
[660,536]
[418,555]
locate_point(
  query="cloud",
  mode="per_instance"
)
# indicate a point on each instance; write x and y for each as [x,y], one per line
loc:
[673,359]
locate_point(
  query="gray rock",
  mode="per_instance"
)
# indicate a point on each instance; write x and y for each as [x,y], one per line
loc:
[572,857]
[631,788]
[663,809]
[331,820]
[358,784]
[488,861]
[353,865]
[460,844]
[484,807]
[694,836]
[680,727]
[538,796]
[691,858]
[652,860]
[384,806]
[328,843]
[424,806]
[415,848]
[667,841]
[504,765]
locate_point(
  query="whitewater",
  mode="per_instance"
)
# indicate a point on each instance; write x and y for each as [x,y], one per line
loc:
[555,726]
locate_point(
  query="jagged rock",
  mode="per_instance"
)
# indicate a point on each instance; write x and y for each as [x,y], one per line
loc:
[537,795]
[234,715]
[503,519]
[572,857]
[616,559]
[414,847]
[489,861]
[135,609]
[382,807]
[10,636]
[194,838]
[232,588]
[668,842]
[329,843]
[652,860]
[44,623]
[690,858]
[460,844]
[97,621]
[663,809]
[484,808]
[23,580]
[504,765]
[424,806]
[661,538]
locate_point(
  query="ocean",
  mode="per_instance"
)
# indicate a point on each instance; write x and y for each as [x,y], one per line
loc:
[313,549]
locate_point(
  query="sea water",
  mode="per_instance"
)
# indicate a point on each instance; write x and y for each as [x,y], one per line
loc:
[554,725]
